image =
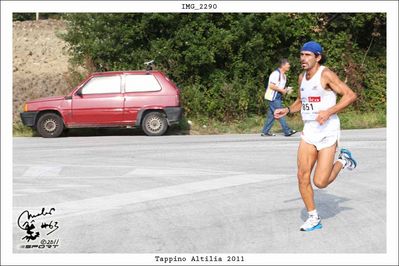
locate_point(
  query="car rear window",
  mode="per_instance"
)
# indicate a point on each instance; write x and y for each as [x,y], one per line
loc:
[141,83]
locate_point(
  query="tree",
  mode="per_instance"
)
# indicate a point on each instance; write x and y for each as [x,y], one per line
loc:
[222,61]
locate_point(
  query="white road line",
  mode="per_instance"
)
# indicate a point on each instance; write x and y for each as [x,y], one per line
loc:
[73,165]
[24,192]
[176,172]
[41,171]
[35,171]
[104,203]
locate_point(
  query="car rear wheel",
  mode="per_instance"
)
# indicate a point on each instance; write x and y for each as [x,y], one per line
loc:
[50,125]
[154,124]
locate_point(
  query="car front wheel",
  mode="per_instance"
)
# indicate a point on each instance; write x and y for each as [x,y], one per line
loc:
[154,124]
[50,125]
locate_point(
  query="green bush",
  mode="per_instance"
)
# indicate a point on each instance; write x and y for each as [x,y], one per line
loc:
[32,16]
[23,16]
[222,61]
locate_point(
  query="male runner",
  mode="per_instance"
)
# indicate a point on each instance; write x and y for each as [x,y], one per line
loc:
[316,100]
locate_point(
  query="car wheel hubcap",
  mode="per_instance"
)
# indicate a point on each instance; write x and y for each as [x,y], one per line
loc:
[50,125]
[154,124]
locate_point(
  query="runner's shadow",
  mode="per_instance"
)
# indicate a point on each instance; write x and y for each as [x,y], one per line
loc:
[327,205]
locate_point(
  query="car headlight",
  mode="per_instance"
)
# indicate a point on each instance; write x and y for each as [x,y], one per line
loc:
[25,107]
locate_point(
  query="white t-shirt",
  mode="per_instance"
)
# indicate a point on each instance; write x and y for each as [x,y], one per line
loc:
[277,79]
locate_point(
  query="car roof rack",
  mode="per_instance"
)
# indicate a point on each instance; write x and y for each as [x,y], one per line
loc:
[149,65]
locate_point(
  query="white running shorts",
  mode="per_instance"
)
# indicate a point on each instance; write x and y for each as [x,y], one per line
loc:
[322,136]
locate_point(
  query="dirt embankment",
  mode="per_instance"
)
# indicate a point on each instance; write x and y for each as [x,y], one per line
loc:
[40,61]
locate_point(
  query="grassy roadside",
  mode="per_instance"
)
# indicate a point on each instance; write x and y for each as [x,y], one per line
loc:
[254,124]
[19,130]
[250,125]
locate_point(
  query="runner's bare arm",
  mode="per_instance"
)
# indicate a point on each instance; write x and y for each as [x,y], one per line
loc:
[294,107]
[330,80]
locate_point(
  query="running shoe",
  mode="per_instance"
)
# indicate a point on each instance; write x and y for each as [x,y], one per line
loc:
[292,132]
[312,223]
[268,134]
[350,162]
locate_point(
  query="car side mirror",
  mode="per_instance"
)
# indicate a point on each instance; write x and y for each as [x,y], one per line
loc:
[79,93]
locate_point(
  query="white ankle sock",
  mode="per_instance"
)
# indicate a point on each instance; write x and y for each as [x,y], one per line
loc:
[313,213]
[342,161]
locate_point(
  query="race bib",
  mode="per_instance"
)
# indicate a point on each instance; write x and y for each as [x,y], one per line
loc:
[311,106]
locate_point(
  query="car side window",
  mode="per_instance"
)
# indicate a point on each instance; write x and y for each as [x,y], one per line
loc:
[141,83]
[110,84]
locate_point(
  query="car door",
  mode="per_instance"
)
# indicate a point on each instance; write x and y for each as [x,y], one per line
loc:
[99,102]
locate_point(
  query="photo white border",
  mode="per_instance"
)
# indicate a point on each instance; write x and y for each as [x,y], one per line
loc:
[8,7]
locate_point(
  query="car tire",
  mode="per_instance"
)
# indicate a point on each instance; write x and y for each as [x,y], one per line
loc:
[154,124]
[50,125]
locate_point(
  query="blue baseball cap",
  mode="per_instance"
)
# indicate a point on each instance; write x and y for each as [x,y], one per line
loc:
[313,47]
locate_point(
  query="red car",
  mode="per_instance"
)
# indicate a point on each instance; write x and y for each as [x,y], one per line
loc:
[146,99]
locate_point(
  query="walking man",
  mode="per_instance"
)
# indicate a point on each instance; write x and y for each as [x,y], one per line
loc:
[274,94]
[316,100]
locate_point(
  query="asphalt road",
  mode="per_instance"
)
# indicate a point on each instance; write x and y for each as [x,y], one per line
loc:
[192,194]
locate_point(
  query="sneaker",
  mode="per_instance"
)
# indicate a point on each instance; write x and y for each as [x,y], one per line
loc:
[292,132]
[350,162]
[312,223]
[268,134]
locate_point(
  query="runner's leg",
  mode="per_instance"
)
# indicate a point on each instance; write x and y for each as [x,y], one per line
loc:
[326,170]
[307,155]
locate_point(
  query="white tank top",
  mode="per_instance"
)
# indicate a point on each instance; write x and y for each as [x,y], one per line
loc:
[314,97]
